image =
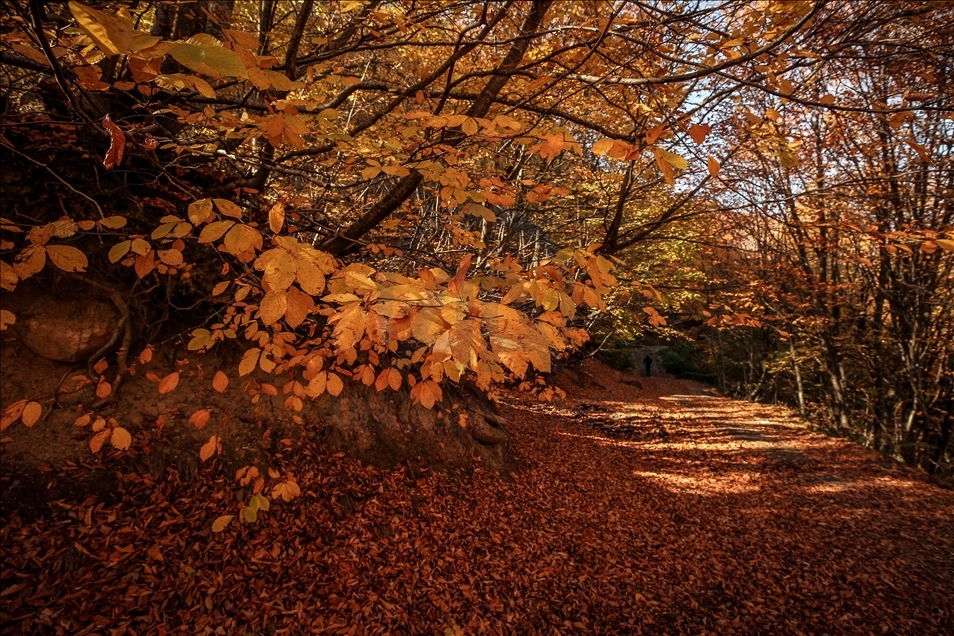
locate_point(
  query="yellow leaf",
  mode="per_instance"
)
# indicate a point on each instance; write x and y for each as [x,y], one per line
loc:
[221,523]
[222,60]
[113,222]
[299,305]
[227,208]
[476,209]
[946,244]
[289,490]
[273,307]
[214,231]
[210,448]
[172,258]
[200,211]
[67,258]
[276,217]
[309,276]
[30,261]
[168,383]
[111,35]
[120,438]
[602,146]
[427,325]
[119,250]
[65,228]
[317,385]
[249,360]
[31,413]
[243,241]
[261,502]
[671,158]
[280,269]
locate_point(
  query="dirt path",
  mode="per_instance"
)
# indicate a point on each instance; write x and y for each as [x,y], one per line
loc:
[656,511]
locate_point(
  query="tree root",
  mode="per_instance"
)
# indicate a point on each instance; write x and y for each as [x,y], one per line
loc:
[122,336]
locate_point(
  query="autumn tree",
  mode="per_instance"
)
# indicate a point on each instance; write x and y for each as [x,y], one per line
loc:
[842,212]
[413,199]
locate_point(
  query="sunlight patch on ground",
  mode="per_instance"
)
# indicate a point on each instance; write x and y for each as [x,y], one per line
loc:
[737,483]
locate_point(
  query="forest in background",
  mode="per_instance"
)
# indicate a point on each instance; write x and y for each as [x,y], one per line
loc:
[413,196]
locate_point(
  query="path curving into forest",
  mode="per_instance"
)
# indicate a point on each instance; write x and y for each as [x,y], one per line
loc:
[659,510]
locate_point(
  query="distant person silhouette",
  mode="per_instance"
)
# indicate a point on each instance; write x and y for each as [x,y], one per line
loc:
[649,365]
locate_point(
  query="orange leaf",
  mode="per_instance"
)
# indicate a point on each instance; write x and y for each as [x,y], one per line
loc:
[67,258]
[249,360]
[96,444]
[11,414]
[713,166]
[145,264]
[334,385]
[31,413]
[210,448]
[395,379]
[117,144]
[146,356]
[602,146]
[104,388]
[120,438]
[382,382]
[653,133]
[276,217]
[83,420]
[699,132]
[455,286]
[273,307]
[169,383]
[200,418]
[220,287]
[220,382]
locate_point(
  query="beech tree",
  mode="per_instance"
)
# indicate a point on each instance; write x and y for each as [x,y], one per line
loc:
[407,196]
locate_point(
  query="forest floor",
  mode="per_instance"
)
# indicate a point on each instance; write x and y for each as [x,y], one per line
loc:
[659,510]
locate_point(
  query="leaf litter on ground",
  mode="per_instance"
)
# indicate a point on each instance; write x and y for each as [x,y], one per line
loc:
[659,510]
